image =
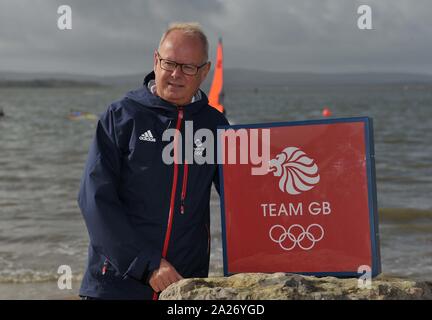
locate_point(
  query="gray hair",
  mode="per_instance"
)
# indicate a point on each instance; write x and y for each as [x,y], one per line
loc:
[190,29]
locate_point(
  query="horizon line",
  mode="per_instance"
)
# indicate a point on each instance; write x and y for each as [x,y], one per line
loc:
[348,72]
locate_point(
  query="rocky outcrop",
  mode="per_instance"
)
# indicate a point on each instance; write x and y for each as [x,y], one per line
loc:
[285,286]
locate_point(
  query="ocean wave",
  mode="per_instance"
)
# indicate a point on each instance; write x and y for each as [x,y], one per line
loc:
[404,215]
[32,276]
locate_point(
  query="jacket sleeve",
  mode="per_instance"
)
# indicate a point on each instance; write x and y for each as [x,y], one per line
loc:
[111,233]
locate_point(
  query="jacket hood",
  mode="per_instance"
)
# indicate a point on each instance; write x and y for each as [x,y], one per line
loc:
[144,97]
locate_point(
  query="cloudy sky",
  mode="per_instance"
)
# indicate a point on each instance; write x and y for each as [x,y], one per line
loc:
[110,37]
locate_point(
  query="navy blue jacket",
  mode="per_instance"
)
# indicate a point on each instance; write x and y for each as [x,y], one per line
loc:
[138,209]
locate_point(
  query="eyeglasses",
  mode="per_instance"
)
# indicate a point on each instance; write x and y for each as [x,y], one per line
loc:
[189,69]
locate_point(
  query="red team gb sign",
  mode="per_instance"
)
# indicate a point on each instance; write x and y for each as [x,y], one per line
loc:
[311,209]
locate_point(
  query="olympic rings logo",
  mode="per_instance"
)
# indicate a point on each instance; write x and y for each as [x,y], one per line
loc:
[295,237]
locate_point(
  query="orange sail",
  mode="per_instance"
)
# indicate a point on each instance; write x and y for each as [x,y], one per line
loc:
[216,91]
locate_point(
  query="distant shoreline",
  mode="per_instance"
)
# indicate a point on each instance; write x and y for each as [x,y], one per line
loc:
[48,83]
[232,78]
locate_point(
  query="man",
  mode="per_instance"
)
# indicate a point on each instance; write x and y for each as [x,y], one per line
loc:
[149,221]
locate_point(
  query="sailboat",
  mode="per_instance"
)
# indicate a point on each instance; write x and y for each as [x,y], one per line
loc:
[216,93]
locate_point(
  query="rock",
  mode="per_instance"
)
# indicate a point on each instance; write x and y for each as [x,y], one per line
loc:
[286,286]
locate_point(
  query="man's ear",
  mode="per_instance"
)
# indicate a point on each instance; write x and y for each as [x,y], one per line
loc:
[155,60]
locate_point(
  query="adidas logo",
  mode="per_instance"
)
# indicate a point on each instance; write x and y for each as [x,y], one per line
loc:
[147,136]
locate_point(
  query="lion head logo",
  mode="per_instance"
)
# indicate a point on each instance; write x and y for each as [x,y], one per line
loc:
[297,172]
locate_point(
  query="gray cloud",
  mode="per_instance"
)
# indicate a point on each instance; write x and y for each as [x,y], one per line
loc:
[112,37]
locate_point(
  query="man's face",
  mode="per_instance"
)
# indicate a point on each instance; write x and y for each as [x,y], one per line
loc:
[175,86]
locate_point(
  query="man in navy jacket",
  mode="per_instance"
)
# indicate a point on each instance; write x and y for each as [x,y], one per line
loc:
[148,220]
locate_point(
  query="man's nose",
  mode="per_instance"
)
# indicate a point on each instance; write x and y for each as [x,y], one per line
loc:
[177,71]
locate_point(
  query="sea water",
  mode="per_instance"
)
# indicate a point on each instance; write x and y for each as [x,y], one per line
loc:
[42,156]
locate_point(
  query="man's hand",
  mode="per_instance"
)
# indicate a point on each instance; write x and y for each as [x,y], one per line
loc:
[164,276]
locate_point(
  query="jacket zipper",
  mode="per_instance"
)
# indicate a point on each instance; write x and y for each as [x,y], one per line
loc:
[173,189]
[105,267]
[184,187]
